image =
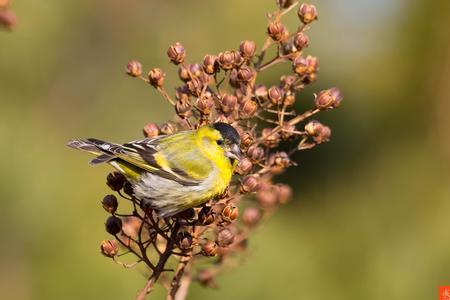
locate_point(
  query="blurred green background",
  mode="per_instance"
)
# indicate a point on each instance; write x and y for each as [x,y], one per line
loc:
[370,216]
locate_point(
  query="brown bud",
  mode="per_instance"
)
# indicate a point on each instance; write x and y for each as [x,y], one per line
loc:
[210,65]
[151,130]
[279,161]
[195,70]
[287,131]
[184,240]
[261,92]
[206,216]
[287,82]
[230,213]
[209,248]
[277,31]
[313,64]
[319,132]
[184,73]
[307,13]
[328,98]
[110,203]
[156,77]
[205,104]
[115,181]
[245,74]
[226,60]
[237,58]
[255,153]
[183,108]
[249,184]
[225,237]
[248,109]
[228,103]
[247,139]
[300,65]
[284,3]
[168,128]
[251,216]
[267,196]
[284,193]
[270,139]
[109,248]
[275,95]
[176,53]
[247,49]
[301,40]
[289,99]
[7,19]
[195,86]
[134,68]
[244,166]
[113,225]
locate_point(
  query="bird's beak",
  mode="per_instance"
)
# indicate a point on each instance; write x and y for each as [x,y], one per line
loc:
[234,152]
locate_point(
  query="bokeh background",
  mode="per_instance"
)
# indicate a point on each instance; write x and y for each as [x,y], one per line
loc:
[370,218]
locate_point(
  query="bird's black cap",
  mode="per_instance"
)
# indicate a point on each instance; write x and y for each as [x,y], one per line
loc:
[228,132]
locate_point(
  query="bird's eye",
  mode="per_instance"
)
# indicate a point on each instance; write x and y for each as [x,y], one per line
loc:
[219,142]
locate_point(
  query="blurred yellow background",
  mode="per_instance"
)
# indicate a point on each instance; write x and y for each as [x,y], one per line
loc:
[371,214]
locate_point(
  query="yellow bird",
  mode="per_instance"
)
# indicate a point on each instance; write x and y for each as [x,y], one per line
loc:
[173,172]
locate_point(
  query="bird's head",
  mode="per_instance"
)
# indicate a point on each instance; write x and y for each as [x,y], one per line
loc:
[226,137]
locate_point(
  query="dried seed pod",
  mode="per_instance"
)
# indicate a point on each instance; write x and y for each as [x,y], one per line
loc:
[245,74]
[249,184]
[247,49]
[319,132]
[244,166]
[168,128]
[156,77]
[289,99]
[284,193]
[113,225]
[270,139]
[237,59]
[209,248]
[275,95]
[184,240]
[300,65]
[330,98]
[277,31]
[176,53]
[151,130]
[287,82]
[134,68]
[260,92]
[184,73]
[247,139]
[267,196]
[109,248]
[255,153]
[248,109]
[210,64]
[287,131]
[195,70]
[228,103]
[115,181]
[307,13]
[206,216]
[279,161]
[230,213]
[110,203]
[183,108]
[205,104]
[225,237]
[251,216]
[226,60]
[301,40]
[195,86]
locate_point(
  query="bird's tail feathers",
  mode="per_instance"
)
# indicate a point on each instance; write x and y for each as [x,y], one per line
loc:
[94,146]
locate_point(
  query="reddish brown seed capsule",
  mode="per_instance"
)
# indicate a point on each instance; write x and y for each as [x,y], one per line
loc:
[261,92]
[255,153]
[225,237]
[244,166]
[226,60]
[247,49]
[245,74]
[307,13]
[319,132]
[300,65]
[270,139]
[278,162]
[209,248]
[248,109]
[249,184]
[230,213]
[151,130]
[328,98]
[156,77]
[168,128]
[237,58]
[301,40]
[109,248]
[247,139]
[210,64]
[184,72]
[267,196]
[277,31]
[110,203]
[284,193]
[287,131]
[176,53]
[205,104]
[275,95]
[115,181]
[206,216]
[251,216]
[134,68]
[113,225]
[228,103]
[183,108]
